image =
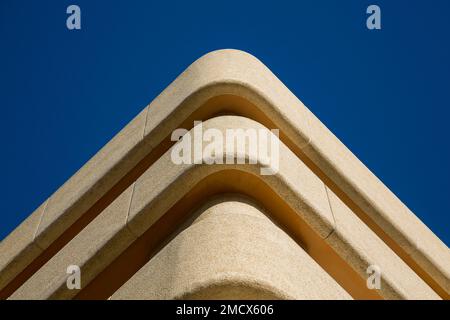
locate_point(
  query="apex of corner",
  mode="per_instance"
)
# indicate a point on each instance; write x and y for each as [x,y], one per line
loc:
[234,53]
[228,56]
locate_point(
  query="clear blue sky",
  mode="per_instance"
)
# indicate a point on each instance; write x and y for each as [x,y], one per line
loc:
[385,94]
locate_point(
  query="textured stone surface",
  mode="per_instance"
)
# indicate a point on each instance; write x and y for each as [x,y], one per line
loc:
[360,247]
[92,250]
[379,203]
[231,251]
[164,183]
[18,249]
[91,182]
[230,74]
[431,252]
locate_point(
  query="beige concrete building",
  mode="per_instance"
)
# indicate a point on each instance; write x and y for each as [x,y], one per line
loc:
[140,226]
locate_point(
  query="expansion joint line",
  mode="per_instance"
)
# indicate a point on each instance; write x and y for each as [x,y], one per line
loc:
[146,120]
[331,210]
[39,224]
[128,212]
[134,182]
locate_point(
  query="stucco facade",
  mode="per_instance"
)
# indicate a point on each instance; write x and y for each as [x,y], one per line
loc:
[140,226]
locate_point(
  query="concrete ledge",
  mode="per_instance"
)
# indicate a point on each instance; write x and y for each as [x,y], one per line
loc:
[379,208]
[361,248]
[19,249]
[236,73]
[233,81]
[164,183]
[92,250]
[75,197]
[92,181]
[232,252]
[92,244]
[112,162]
